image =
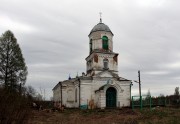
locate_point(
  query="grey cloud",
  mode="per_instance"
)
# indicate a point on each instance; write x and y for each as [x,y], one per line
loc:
[146,36]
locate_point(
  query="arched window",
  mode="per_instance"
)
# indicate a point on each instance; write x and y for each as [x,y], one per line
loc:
[105,42]
[90,45]
[105,61]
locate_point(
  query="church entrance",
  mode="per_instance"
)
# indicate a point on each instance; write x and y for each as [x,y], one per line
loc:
[111,97]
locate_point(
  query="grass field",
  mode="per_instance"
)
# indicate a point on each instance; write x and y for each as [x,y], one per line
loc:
[108,116]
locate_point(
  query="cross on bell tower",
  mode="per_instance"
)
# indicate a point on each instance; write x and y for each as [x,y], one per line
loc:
[100,14]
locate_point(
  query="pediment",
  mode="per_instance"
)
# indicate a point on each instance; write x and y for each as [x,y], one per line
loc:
[106,74]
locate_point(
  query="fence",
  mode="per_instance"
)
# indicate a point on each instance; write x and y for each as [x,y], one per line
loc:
[147,101]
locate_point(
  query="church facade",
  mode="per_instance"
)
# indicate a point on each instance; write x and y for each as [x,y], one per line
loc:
[101,86]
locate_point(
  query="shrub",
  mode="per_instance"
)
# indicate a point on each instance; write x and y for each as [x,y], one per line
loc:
[14,107]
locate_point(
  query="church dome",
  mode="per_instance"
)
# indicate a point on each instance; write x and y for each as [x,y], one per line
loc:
[101,27]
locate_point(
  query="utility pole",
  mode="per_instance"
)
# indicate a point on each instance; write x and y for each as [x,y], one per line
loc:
[140,97]
[140,89]
[139,83]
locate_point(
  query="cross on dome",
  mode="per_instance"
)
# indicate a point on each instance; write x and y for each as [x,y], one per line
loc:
[100,14]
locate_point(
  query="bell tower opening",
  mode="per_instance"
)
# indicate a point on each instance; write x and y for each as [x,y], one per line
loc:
[105,43]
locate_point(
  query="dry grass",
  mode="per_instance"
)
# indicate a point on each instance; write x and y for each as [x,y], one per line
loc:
[113,116]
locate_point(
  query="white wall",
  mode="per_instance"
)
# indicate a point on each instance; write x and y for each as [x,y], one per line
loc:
[113,65]
[56,95]
[86,93]
[88,88]
[123,93]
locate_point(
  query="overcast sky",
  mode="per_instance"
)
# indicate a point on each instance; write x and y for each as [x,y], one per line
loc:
[53,36]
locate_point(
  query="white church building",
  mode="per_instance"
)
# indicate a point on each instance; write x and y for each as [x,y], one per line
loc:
[101,86]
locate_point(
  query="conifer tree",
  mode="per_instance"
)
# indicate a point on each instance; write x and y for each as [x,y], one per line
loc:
[13,69]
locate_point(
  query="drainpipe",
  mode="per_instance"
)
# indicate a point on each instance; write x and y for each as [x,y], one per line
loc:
[79,92]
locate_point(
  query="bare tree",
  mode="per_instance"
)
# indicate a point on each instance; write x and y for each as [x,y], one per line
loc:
[30,91]
[149,93]
[176,92]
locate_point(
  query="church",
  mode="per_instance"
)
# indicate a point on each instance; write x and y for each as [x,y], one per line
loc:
[101,86]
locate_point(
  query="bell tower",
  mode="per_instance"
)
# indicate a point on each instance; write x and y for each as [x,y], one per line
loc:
[101,56]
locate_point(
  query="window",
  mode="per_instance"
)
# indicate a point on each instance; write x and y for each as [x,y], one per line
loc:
[105,42]
[105,61]
[76,95]
[70,95]
[90,45]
